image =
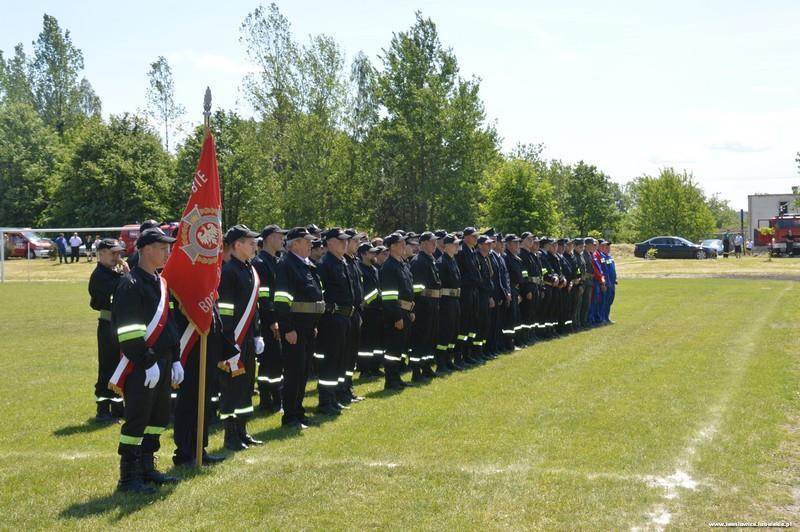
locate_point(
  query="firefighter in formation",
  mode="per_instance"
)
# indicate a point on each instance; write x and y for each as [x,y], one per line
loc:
[331,303]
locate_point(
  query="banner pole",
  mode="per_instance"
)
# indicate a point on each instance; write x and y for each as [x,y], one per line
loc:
[201,400]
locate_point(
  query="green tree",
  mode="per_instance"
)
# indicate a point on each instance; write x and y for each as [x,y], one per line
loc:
[29,153]
[725,217]
[519,198]
[590,204]
[16,78]
[161,104]
[88,101]
[55,68]
[432,141]
[113,174]
[670,204]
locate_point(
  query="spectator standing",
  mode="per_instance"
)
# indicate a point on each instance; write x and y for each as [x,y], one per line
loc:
[748,247]
[726,245]
[61,244]
[75,243]
[737,245]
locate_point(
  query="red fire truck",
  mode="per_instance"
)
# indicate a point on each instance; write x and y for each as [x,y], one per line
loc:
[780,227]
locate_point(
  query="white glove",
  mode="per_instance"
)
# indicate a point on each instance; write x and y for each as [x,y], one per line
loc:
[233,362]
[151,376]
[259,344]
[177,373]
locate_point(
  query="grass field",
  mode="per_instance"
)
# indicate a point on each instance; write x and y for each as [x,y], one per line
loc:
[685,412]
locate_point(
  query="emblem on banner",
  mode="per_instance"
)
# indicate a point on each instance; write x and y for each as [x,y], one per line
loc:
[201,235]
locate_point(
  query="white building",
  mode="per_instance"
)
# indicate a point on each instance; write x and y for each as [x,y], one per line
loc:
[762,207]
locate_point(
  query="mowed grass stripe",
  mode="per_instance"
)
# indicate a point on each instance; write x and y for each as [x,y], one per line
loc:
[562,435]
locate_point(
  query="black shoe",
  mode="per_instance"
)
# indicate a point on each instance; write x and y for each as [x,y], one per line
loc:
[428,372]
[151,475]
[118,409]
[232,440]
[247,439]
[395,386]
[208,459]
[294,425]
[328,410]
[309,422]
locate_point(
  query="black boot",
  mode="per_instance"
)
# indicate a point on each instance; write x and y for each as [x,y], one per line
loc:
[232,440]
[277,402]
[151,475]
[393,380]
[428,372]
[244,436]
[441,364]
[417,376]
[130,476]
[118,409]
[103,414]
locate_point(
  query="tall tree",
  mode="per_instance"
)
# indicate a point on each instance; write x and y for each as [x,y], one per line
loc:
[670,204]
[16,78]
[161,104]
[56,66]
[88,101]
[433,140]
[122,165]
[591,200]
[29,153]
[520,199]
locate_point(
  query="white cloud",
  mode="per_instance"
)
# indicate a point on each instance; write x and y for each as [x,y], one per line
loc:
[211,62]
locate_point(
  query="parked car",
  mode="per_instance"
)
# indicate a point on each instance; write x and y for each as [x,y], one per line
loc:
[24,242]
[713,243]
[674,247]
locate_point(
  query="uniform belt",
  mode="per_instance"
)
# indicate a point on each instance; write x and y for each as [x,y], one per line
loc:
[432,293]
[535,280]
[308,307]
[105,315]
[406,305]
[451,292]
[343,311]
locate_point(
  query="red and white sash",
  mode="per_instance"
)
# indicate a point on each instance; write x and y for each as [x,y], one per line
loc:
[240,331]
[188,340]
[153,331]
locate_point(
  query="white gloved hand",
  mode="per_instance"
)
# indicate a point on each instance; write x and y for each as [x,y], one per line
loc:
[259,344]
[233,362]
[177,373]
[151,376]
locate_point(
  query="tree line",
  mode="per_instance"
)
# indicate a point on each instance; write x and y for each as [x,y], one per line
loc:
[402,142]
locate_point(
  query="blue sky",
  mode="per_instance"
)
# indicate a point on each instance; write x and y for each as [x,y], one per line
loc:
[711,87]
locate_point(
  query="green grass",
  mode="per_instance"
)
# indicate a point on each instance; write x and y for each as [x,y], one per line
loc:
[698,376]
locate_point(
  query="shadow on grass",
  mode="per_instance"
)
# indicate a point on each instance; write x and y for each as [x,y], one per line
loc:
[125,504]
[89,426]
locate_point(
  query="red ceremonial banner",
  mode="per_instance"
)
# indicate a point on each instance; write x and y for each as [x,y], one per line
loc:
[193,269]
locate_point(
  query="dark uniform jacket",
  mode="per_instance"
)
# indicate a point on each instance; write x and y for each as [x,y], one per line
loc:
[135,302]
[370,286]
[396,284]
[102,285]
[267,267]
[335,275]
[296,281]
[486,270]
[425,274]
[235,289]
[501,281]
[449,274]
[356,283]
[467,260]
[514,267]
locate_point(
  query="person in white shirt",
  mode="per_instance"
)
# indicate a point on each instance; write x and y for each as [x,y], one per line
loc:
[75,243]
[737,245]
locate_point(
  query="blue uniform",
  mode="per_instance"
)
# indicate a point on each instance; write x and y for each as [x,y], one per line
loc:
[611,282]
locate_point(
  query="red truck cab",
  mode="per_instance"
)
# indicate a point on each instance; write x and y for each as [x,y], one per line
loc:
[130,233]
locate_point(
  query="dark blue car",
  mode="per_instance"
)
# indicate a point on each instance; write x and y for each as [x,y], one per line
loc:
[674,247]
